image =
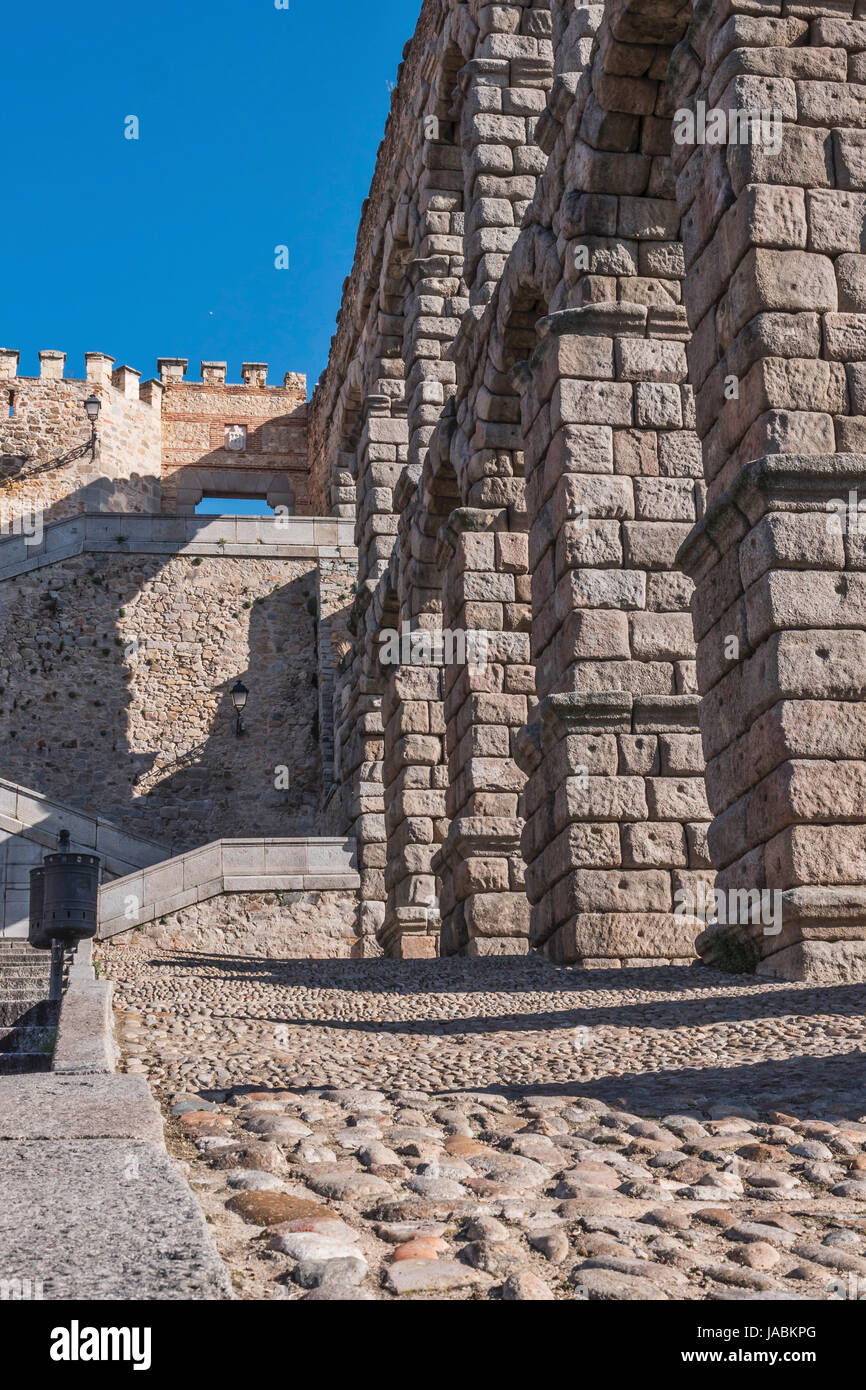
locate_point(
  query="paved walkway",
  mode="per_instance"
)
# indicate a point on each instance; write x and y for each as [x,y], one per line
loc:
[497,1129]
[93,1206]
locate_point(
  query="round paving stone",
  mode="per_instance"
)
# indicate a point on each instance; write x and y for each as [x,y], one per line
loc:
[346,1184]
[277,1127]
[433,1276]
[270,1208]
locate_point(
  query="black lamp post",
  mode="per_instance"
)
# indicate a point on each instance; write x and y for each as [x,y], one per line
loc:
[240,695]
[92,406]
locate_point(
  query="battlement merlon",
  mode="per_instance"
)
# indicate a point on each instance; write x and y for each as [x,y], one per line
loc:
[98,368]
[254,376]
[101,371]
[51,364]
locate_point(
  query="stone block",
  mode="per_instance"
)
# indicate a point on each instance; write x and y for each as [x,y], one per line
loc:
[597,799]
[613,937]
[243,857]
[661,636]
[497,915]
[677,798]
[837,220]
[789,281]
[638,755]
[819,854]
[611,890]
[652,545]
[790,540]
[789,666]
[591,403]
[805,158]
[658,405]
[664,499]
[654,845]
[636,452]
[591,545]
[123,1240]
[784,599]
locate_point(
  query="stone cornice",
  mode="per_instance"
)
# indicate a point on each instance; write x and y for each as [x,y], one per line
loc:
[774,483]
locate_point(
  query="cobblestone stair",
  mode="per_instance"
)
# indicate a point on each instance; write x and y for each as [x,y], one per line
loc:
[28,1019]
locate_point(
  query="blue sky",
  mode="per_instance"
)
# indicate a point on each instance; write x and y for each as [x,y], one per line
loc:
[258,128]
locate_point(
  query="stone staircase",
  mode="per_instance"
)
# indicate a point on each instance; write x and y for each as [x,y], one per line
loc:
[313,863]
[28,1019]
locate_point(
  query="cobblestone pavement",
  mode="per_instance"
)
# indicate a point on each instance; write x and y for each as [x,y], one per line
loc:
[506,1129]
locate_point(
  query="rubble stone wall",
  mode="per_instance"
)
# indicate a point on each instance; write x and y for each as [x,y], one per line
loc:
[48,422]
[160,445]
[116,674]
[290,926]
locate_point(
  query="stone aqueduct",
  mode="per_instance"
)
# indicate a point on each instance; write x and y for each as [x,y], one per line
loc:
[586,378]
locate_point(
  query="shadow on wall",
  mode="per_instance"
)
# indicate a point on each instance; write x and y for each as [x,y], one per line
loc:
[21,480]
[115,674]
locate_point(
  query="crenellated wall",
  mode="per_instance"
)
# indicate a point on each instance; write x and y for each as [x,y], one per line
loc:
[42,421]
[160,445]
[239,440]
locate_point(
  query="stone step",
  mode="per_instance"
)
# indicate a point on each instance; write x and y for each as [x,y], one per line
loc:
[28,1020]
[19,1063]
[121,1240]
[32,1012]
[27,1039]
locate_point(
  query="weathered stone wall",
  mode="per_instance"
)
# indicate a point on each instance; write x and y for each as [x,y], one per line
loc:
[775,293]
[635,311]
[161,444]
[197,418]
[116,673]
[478,517]
[455,172]
[337,584]
[582,350]
[49,422]
[291,926]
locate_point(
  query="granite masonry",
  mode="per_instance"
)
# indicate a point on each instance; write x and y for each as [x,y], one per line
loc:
[595,390]
[579,666]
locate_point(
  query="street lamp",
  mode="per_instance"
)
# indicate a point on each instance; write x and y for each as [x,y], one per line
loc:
[92,406]
[240,695]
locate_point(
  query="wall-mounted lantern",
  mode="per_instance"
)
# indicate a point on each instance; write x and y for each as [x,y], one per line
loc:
[92,406]
[240,695]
